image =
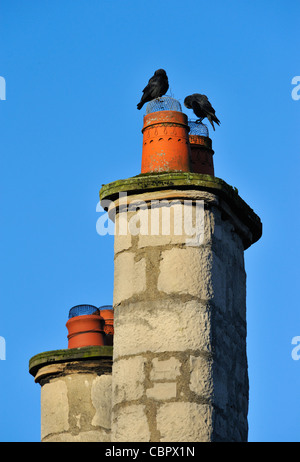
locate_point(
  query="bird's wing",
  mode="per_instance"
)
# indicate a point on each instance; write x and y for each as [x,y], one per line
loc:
[196,106]
[151,83]
[204,103]
[146,88]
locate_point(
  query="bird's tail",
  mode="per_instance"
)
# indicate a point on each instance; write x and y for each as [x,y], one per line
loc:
[217,120]
[212,119]
[140,105]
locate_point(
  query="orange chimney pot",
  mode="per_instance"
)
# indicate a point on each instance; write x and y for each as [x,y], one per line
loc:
[166,145]
[201,155]
[85,330]
[108,315]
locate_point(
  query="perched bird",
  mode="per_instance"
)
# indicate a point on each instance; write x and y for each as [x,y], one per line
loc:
[157,86]
[202,108]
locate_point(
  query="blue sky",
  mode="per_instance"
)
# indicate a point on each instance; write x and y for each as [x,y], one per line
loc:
[74,72]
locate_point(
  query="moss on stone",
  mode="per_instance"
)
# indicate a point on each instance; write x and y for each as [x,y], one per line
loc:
[147,182]
[68,355]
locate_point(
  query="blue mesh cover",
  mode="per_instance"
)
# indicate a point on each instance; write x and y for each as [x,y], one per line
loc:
[80,310]
[105,307]
[199,129]
[165,103]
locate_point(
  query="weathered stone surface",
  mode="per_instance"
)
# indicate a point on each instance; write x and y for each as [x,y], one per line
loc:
[79,399]
[180,367]
[251,227]
[131,425]
[73,405]
[54,408]
[122,239]
[168,369]
[184,422]
[194,271]
[161,326]
[220,380]
[180,315]
[201,377]
[100,436]
[129,377]
[101,398]
[130,277]
[162,391]
[75,393]
[167,223]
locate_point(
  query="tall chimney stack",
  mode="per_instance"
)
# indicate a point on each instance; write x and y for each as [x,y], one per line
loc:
[179,359]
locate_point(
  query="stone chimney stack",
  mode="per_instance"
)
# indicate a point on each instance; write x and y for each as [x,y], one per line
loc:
[76,382]
[179,359]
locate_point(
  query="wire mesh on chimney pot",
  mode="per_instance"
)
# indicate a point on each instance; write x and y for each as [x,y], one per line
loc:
[198,129]
[165,103]
[80,310]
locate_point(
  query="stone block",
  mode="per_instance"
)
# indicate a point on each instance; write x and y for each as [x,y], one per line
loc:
[122,240]
[131,425]
[162,391]
[194,271]
[101,398]
[122,243]
[201,377]
[81,410]
[55,408]
[129,277]
[129,377]
[168,369]
[184,422]
[162,326]
[168,223]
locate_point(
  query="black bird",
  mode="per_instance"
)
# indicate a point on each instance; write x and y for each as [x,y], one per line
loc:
[202,108]
[157,86]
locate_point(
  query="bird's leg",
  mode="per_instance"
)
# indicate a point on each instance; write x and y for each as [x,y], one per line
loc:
[199,121]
